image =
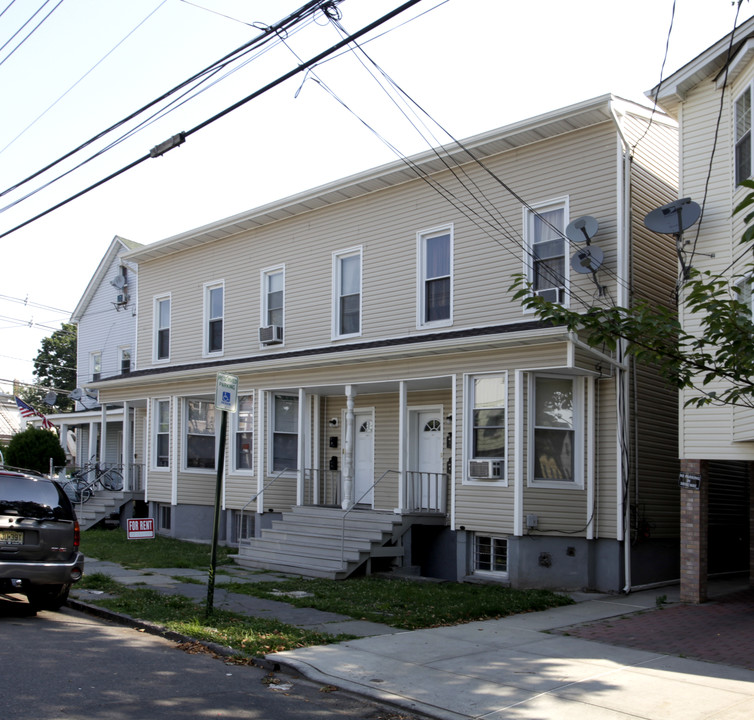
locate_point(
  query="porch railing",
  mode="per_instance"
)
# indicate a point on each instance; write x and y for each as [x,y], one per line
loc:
[253,499]
[322,487]
[426,491]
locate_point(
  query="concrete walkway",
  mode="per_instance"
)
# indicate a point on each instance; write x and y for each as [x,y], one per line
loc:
[523,666]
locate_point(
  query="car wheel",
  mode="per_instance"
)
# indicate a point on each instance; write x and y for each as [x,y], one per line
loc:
[47,597]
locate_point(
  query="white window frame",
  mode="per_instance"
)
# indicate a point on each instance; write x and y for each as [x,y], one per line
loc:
[470,405]
[209,318]
[272,431]
[265,274]
[121,353]
[422,280]
[740,142]
[337,276]
[530,218]
[494,539]
[236,431]
[185,435]
[156,404]
[158,299]
[578,430]
[95,365]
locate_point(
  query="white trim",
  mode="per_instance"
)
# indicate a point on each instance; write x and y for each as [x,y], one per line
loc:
[264,274]
[518,455]
[337,257]
[270,464]
[591,442]
[95,359]
[207,289]
[234,431]
[454,420]
[156,300]
[210,400]
[421,237]
[153,426]
[175,438]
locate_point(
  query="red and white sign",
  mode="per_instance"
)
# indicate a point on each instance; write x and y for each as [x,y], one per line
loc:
[140,528]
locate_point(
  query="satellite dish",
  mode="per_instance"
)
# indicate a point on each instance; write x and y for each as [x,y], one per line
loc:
[92,394]
[673,218]
[119,282]
[588,260]
[582,229]
[77,394]
[50,398]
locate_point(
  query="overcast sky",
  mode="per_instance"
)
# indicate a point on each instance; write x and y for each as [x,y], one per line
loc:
[473,65]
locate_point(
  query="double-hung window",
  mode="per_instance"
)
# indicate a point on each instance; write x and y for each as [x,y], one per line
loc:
[435,290]
[743,135]
[125,360]
[486,423]
[546,265]
[95,364]
[161,434]
[347,293]
[200,434]
[243,448]
[162,328]
[273,305]
[555,437]
[284,426]
[214,309]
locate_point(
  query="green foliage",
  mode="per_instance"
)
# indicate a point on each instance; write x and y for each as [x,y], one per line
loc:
[716,359]
[33,448]
[54,368]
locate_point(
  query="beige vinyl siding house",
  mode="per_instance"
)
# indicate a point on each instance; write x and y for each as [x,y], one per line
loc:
[390,378]
[716,443]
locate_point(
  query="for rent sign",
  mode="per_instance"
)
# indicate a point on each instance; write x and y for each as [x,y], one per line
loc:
[140,528]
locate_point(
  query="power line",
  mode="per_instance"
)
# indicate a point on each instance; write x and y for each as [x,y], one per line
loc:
[29,303]
[180,138]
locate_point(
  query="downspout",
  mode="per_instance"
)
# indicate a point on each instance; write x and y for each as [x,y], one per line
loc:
[624,297]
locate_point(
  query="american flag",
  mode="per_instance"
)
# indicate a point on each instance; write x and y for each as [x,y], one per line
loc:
[28,411]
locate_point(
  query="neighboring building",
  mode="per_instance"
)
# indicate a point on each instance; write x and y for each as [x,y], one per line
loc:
[385,370]
[10,418]
[711,97]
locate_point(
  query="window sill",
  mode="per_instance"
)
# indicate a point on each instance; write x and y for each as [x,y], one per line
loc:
[556,484]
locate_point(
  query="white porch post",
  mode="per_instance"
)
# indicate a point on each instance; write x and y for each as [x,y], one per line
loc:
[402,444]
[314,449]
[348,450]
[63,439]
[302,437]
[518,456]
[92,440]
[127,449]
[103,435]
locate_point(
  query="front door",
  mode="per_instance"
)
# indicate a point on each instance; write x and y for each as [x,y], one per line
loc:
[426,458]
[363,457]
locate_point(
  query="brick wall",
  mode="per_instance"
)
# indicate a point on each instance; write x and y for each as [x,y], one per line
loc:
[694,544]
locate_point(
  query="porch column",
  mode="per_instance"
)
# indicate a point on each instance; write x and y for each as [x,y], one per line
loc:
[348,451]
[402,444]
[63,438]
[127,449]
[518,454]
[103,435]
[694,533]
[301,450]
[92,441]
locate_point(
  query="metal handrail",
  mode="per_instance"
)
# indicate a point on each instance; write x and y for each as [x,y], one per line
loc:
[253,499]
[353,505]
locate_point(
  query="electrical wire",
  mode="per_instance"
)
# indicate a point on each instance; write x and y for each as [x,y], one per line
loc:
[36,27]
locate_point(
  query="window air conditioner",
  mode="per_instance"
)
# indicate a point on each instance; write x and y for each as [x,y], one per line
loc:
[550,294]
[485,468]
[121,299]
[271,335]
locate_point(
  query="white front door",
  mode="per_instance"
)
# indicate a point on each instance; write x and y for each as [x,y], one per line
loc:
[426,458]
[363,457]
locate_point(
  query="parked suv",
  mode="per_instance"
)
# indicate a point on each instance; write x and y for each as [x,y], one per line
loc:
[39,540]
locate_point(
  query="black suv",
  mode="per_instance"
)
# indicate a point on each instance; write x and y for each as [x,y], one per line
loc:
[39,540]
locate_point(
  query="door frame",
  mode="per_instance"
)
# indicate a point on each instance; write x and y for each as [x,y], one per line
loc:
[356,411]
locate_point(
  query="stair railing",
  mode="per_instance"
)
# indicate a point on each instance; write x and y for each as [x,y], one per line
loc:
[353,505]
[253,499]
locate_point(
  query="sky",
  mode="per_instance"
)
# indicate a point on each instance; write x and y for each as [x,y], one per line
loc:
[472,66]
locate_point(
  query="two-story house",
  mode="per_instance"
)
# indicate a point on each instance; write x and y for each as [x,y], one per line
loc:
[397,407]
[711,96]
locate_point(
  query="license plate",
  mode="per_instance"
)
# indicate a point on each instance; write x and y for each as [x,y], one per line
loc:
[11,537]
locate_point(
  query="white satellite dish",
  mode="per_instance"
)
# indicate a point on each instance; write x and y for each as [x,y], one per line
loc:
[582,229]
[588,260]
[120,281]
[673,218]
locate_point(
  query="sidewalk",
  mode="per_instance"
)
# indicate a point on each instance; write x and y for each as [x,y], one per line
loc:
[534,665]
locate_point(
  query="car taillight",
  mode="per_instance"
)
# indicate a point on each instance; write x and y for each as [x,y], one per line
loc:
[76,535]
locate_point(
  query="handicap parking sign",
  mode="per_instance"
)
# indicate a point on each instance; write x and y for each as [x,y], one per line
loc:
[226,393]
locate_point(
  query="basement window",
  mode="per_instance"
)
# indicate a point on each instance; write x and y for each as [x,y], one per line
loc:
[490,554]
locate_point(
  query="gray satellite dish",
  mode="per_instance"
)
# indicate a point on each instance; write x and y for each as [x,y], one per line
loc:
[77,394]
[582,229]
[50,398]
[119,282]
[673,218]
[588,260]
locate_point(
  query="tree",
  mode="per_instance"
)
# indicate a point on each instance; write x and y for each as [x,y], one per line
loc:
[54,368]
[33,448]
[716,359]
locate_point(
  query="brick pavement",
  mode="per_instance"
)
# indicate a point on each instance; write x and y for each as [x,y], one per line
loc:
[719,631]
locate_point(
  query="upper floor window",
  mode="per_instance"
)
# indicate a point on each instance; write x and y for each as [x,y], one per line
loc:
[555,433]
[125,360]
[214,309]
[162,328]
[161,434]
[284,426]
[95,365]
[347,293]
[743,135]
[243,439]
[436,277]
[546,265]
[273,305]
[486,423]
[200,434]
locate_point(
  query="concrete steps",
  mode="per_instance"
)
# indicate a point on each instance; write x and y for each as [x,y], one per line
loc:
[319,542]
[100,506]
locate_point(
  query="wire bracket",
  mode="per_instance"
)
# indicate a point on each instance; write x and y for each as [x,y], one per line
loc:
[169,144]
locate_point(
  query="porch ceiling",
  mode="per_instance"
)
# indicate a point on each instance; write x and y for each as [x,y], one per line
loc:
[374,388]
